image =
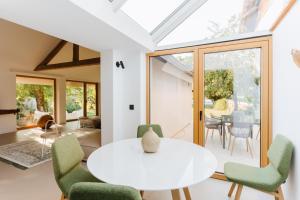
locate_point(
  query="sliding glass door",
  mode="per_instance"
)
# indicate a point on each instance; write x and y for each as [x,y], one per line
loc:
[171,94]
[234,100]
[81,100]
[217,96]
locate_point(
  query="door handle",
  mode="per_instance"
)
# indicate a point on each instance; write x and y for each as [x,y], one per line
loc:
[200,115]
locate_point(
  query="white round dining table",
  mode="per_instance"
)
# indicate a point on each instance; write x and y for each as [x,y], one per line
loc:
[176,165]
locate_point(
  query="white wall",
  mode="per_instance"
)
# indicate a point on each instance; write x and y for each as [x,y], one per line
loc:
[171,99]
[286,92]
[120,88]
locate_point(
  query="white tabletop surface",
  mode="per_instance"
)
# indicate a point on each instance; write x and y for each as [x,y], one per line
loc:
[177,164]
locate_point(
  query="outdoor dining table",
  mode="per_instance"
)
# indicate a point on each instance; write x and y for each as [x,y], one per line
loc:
[176,165]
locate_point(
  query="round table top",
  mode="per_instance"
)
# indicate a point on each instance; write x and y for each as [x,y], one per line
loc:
[177,164]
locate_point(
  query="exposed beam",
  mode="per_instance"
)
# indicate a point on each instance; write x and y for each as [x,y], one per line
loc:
[75,52]
[186,9]
[79,63]
[286,10]
[53,53]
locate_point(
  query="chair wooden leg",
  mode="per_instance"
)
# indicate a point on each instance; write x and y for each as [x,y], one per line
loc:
[279,194]
[206,137]
[175,194]
[258,133]
[250,149]
[229,142]
[187,193]
[231,189]
[142,193]
[232,145]
[238,192]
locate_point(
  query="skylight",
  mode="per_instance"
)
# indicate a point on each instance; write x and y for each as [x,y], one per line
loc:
[150,13]
[214,19]
[271,14]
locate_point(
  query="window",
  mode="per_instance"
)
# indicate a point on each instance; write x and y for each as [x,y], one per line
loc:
[149,14]
[35,98]
[213,19]
[81,100]
[74,100]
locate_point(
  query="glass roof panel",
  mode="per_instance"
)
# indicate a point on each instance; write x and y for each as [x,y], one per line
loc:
[150,13]
[270,11]
[220,19]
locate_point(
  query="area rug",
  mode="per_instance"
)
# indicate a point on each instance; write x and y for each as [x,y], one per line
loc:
[25,154]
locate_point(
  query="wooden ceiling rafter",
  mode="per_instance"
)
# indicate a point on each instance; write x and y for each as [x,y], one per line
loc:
[76,62]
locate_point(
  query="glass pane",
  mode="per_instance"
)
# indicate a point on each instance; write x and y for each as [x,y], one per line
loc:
[217,19]
[74,100]
[150,14]
[171,95]
[91,100]
[35,98]
[232,106]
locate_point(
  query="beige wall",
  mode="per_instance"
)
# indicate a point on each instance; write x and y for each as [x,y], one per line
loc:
[21,50]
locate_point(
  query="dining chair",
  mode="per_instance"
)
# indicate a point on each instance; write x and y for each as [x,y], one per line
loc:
[241,127]
[66,158]
[49,132]
[102,191]
[213,124]
[268,179]
[242,131]
[142,129]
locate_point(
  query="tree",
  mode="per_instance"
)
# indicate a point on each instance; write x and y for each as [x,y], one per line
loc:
[218,84]
[43,94]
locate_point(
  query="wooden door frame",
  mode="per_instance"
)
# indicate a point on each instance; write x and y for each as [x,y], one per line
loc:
[265,43]
[193,51]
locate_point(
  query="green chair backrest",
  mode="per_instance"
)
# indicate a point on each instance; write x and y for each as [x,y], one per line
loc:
[280,155]
[66,154]
[99,191]
[142,129]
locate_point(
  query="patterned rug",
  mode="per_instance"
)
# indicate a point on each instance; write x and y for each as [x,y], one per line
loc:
[25,154]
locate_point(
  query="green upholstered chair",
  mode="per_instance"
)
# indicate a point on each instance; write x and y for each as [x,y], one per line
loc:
[142,129]
[102,191]
[66,157]
[267,179]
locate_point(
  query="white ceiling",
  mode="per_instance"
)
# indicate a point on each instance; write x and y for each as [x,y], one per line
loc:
[87,23]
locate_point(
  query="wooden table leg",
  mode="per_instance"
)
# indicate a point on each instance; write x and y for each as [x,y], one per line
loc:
[176,194]
[187,193]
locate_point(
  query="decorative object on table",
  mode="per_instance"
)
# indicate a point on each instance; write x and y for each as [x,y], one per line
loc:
[25,154]
[150,141]
[296,56]
[45,120]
